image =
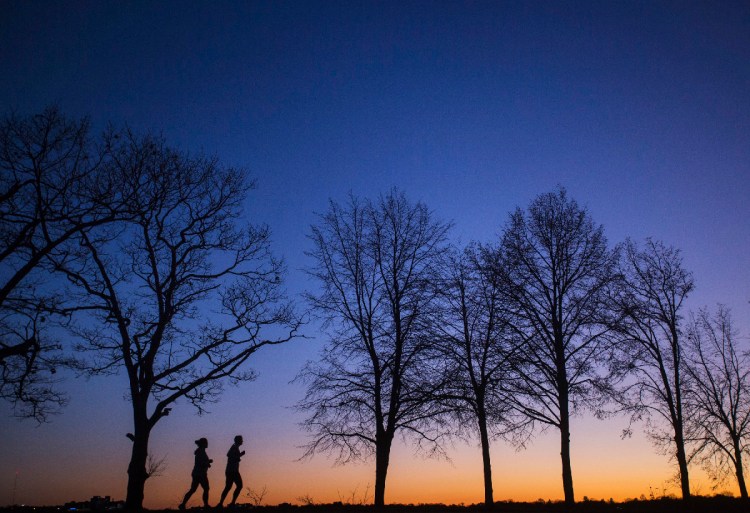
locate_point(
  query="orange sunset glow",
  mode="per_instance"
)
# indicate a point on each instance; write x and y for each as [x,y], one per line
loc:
[605,466]
[374,238]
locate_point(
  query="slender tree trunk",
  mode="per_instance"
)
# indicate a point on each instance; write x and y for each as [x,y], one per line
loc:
[564,397]
[679,434]
[738,470]
[488,496]
[567,470]
[137,473]
[679,438]
[382,458]
[562,380]
[682,462]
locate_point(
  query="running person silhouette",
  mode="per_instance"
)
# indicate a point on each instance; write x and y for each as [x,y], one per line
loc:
[233,472]
[200,473]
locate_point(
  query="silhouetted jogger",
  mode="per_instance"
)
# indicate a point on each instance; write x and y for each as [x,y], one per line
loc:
[200,472]
[233,471]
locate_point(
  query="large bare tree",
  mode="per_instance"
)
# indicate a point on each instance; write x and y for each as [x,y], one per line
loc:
[375,262]
[474,349]
[649,352]
[181,295]
[558,272]
[51,188]
[717,399]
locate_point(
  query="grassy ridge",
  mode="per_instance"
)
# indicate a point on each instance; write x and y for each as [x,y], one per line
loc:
[717,504]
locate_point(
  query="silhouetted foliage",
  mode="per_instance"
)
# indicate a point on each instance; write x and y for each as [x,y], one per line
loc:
[648,358]
[557,274]
[179,296]
[474,349]
[376,263]
[51,188]
[717,398]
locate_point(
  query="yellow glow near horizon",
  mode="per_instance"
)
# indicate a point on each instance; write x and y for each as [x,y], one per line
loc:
[604,467]
[601,470]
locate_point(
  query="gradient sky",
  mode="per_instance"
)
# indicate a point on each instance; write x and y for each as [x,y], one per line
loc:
[640,109]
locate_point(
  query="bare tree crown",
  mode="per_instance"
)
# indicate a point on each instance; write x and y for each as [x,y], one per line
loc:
[52,186]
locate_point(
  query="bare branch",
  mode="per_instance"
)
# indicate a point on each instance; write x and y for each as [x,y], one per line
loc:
[53,186]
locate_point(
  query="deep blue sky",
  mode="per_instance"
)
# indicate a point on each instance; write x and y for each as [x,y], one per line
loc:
[640,109]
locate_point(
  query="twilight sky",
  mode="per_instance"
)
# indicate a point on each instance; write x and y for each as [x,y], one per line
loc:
[640,109]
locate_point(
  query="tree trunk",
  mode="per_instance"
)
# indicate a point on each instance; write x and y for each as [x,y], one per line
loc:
[739,472]
[488,496]
[564,397]
[682,461]
[137,473]
[679,434]
[684,480]
[382,458]
[567,470]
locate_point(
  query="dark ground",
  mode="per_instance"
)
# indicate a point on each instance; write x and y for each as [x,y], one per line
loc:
[695,505]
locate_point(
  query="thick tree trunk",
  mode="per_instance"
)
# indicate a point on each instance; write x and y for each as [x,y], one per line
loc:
[382,458]
[741,480]
[137,473]
[738,471]
[682,463]
[484,436]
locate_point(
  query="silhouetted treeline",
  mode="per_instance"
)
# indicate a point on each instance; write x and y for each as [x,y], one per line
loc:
[115,248]
[495,339]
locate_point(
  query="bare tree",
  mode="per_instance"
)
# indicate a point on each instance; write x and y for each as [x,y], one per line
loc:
[256,495]
[181,295]
[649,359]
[51,188]
[375,262]
[558,272]
[474,350]
[717,398]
